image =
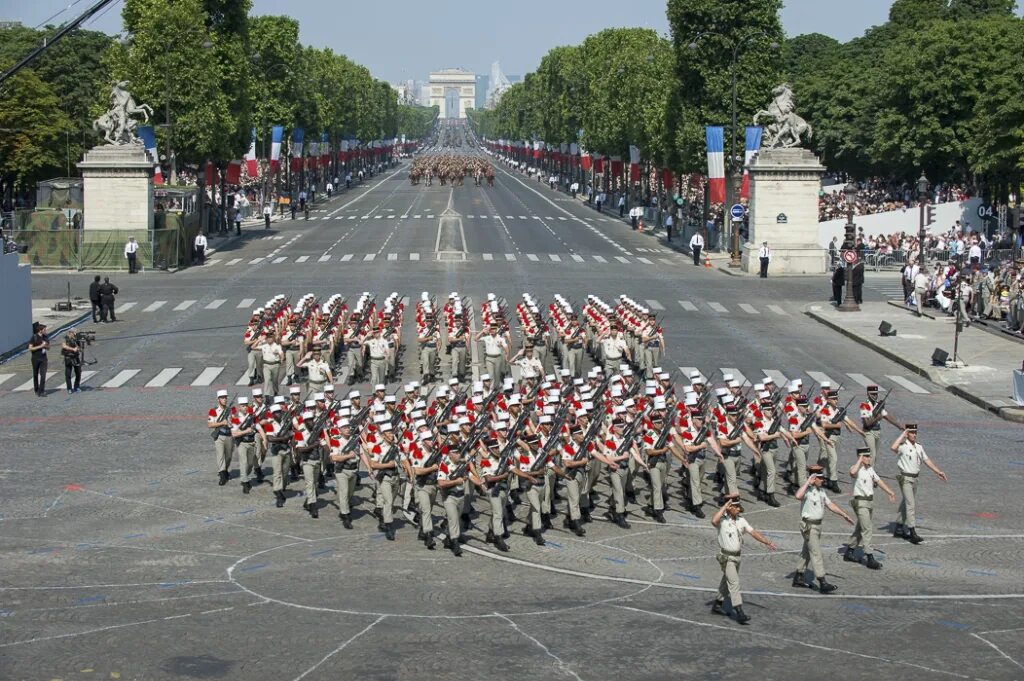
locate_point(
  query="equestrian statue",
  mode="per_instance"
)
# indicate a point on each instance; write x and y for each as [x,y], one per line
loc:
[786,128]
[117,124]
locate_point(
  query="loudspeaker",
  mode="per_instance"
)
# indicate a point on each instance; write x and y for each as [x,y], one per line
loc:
[939,357]
[886,329]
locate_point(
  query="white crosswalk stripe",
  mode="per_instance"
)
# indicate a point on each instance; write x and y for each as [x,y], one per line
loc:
[207,376]
[256,261]
[155,305]
[124,307]
[532,257]
[184,305]
[777,376]
[912,387]
[245,302]
[5,377]
[522,217]
[278,261]
[233,261]
[392,256]
[121,378]
[686,371]
[414,256]
[577,258]
[346,257]
[599,258]
[215,304]
[861,379]
[777,310]
[688,306]
[163,378]
[645,261]
[622,259]
[27,385]
[488,257]
[213,262]
[86,375]
[244,379]
[746,307]
[324,258]
[369,256]
[510,257]
[470,217]
[302,258]
[736,374]
[654,305]
[554,258]
[820,377]
[718,307]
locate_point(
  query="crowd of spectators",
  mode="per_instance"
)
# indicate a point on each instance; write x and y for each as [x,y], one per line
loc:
[881,196]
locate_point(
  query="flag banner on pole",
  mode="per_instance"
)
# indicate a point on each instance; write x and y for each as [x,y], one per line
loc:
[666,178]
[298,135]
[276,134]
[634,155]
[325,149]
[585,162]
[716,163]
[148,137]
[752,146]
[574,148]
[212,176]
[250,158]
[234,172]
[616,165]
[314,153]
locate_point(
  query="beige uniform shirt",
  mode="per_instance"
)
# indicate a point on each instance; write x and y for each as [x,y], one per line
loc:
[910,457]
[272,352]
[494,345]
[730,533]
[613,347]
[317,370]
[378,348]
[815,502]
[864,484]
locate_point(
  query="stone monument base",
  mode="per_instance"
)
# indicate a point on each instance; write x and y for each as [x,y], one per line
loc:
[784,188]
[118,189]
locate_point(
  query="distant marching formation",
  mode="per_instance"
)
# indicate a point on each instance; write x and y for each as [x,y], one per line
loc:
[451,169]
[548,435]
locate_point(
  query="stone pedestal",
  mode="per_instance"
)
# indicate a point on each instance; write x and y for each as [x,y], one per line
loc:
[118,203]
[784,187]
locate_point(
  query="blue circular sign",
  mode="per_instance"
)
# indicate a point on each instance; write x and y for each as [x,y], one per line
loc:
[737,211]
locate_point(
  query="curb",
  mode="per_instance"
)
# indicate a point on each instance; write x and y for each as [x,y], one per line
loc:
[1014,414]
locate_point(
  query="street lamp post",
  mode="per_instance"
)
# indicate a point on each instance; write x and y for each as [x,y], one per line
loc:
[922,197]
[735,162]
[849,303]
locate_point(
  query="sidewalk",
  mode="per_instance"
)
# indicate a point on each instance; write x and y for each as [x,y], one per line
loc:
[56,321]
[987,378]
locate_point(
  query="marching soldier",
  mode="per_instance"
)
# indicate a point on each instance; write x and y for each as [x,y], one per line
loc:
[378,348]
[293,342]
[872,413]
[495,476]
[278,432]
[355,352]
[731,528]
[308,447]
[452,474]
[865,479]
[273,355]
[244,431]
[458,345]
[260,413]
[424,463]
[381,459]
[428,338]
[318,372]
[812,512]
[533,478]
[656,460]
[219,421]
[832,419]
[763,427]
[616,457]
[572,341]
[345,455]
[695,439]
[910,455]
[801,426]
[652,338]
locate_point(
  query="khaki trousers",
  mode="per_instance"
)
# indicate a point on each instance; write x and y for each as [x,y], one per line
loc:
[346,479]
[810,554]
[908,488]
[617,478]
[498,497]
[729,467]
[271,379]
[863,531]
[386,497]
[451,499]
[730,584]
[693,472]
[829,457]
[428,360]
[254,361]
[246,460]
[798,465]
[871,441]
[310,472]
[458,362]
[533,495]
[425,495]
[768,470]
[659,471]
[574,362]
[280,464]
[378,371]
[223,446]
[575,483]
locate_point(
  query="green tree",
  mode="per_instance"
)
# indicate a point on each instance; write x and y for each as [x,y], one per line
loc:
[702,89]
[34,127]
[273,77]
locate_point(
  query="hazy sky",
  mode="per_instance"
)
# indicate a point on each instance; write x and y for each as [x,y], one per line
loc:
[399,39]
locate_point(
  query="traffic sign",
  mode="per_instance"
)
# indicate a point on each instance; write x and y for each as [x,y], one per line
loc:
[850,256]
[737,212]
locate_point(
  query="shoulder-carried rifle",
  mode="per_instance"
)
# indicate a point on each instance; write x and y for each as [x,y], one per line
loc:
[222,415]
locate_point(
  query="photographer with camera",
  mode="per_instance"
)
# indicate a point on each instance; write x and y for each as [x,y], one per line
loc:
[72,354]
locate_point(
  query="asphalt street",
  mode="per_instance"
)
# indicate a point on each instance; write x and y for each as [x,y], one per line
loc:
[122,558]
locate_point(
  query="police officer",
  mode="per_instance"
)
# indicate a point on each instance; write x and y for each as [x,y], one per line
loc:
[865,479]
[910,455]
[812,512]
[731,528]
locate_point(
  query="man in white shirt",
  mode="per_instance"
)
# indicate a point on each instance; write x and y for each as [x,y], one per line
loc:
[974,255]
[200,245]
[920,290]
[765,255]
[266,216]
[865,478]
[131,250]
[910,455]
[696,246]
[731,528]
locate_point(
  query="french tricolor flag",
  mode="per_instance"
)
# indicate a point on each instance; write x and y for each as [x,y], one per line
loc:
[753,145]
[716,163]
[250,158]
[276,134]
[148,137]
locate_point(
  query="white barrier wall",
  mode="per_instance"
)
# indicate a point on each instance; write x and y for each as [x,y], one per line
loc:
[15,303]
[946,215]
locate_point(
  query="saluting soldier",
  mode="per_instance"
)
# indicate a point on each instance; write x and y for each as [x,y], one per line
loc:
[572,341]
[318,372]
[219,421]
[496,351]
[812,512]
[355,352]
[613,349]
[378,349]
[731,528]
[871,417]
[273,355]
[910,456]
[865,479]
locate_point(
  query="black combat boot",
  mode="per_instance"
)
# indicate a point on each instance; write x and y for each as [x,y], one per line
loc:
[246,487]
[741,617]
[620,520]
[389,532]
[834,486]
[313,512]
[717,608]
[772,501]
[825,587]
[280,498]
[698,512]
[848,555]
[798,580]
[545,521]
[500,544]
[456,549]
[538,538]
[871,563]
[429,542]
[259,475]
[911,536]
[899,532]
[659,516]
[222,478]
[585,515]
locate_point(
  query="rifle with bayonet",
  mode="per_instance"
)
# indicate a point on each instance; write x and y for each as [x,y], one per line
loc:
[221,416]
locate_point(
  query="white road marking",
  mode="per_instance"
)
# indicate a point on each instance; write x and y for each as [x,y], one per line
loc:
[522,217]
[470,217]
[346,257]
[5,377]
[213,262]
[256,261]
[577,258]
[645,261]
[121,378]
[86,375]
[233,261]
[26,386]
[369,256]
[126,306]
[215,304]
[244,303]
[687,305]
[278,261]
[392,256]
[912,387]
[244,380]
[184,305]
[324,258]
[430,217]
[717,307]
[654,305]
[302,258]
[488,257]
[163,378]
[599,258]
[510,217]
[531,256]
[207,376]
[155,305]
[736,374]
[749,308]
[510,257]
[351,217]
[777,310]
[820,377]
[861,379]
[414,256]
[777,376]
[377,217]
[554,258]
[622,259]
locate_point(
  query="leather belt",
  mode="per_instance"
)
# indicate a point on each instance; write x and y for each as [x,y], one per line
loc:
[909,475]
[811,522]
[869,497]
[494,355]
[735,554]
